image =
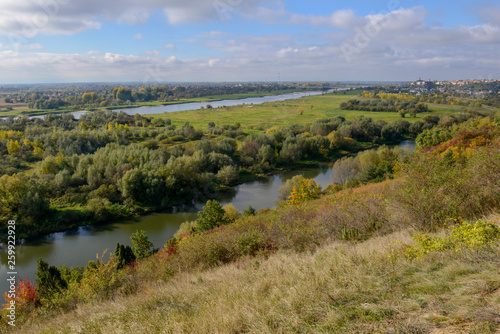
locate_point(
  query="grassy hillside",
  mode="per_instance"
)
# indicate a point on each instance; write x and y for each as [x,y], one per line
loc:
[341,287]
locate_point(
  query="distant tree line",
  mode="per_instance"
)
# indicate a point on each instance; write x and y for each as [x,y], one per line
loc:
[393,105]
[113,96]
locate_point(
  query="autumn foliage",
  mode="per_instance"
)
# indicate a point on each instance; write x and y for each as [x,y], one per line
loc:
[26,295]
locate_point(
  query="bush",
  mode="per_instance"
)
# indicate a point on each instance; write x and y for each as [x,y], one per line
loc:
[434,189]
[286,189]
[231,213]
[213,215]
[186,228]
[461,236]
[100,280]
[306,190]
[227,175]
[142,247]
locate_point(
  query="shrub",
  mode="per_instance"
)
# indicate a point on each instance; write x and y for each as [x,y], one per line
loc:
[142,247]
[26,296]
[286,189]
[250,242]
[432,190]
[231,213]
[306,190]
[227,175]
[213,215]
[124,255]
[48,280]
[186,228]
[100,280]
[462,236]
[250,211]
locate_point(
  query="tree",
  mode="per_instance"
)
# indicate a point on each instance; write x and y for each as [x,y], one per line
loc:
[124,254]
[48,279]
[213,215]
[89,97]
[13,146]
[142,246]
[286,189]
[227,174]
[306,190]
[250,211]
[266,154]
[342,170]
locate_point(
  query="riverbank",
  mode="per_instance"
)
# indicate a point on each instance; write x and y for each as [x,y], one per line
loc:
[371,259]
[205,99]
[76,217]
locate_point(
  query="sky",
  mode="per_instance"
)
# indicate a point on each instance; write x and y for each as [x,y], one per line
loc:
[155,41]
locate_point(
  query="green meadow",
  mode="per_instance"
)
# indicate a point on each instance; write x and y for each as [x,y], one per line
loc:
[299,111]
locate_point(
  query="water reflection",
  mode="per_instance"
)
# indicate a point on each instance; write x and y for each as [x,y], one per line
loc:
[76,247]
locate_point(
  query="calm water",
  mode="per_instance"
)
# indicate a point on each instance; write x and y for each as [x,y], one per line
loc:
[215,104]
[77,247]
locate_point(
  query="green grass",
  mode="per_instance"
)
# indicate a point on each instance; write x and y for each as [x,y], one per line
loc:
[289,112]
[33,112]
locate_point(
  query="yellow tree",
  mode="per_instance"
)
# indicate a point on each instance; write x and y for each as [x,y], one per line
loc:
[13,146]
[305,191]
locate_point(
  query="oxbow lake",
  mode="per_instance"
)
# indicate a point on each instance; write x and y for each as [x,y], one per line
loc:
[77,247]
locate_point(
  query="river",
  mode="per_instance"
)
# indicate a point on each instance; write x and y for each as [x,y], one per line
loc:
[77,247]
[215,104]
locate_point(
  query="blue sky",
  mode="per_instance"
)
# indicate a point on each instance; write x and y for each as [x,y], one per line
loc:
[156,41]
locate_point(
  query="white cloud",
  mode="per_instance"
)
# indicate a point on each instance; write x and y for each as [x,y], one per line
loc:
[26,19]
[345,19]
[138,36]
[400,45]
[212,62]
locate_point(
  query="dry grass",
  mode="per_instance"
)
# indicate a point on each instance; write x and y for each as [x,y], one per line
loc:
[340,288]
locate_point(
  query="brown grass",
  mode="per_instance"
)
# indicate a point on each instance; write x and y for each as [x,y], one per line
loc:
[339,288]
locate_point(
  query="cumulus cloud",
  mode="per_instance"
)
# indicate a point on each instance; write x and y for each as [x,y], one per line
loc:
[27,18]
[398,44]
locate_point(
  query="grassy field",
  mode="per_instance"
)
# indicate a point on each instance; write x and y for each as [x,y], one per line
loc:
[299,111]
[22,108]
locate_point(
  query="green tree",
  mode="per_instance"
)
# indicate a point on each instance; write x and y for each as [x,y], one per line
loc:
[48,279]
[89,97]
[213,215]
[250,211]
[142,246]
[124,254]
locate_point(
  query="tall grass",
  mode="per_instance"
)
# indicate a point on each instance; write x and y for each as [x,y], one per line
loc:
[339,288]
